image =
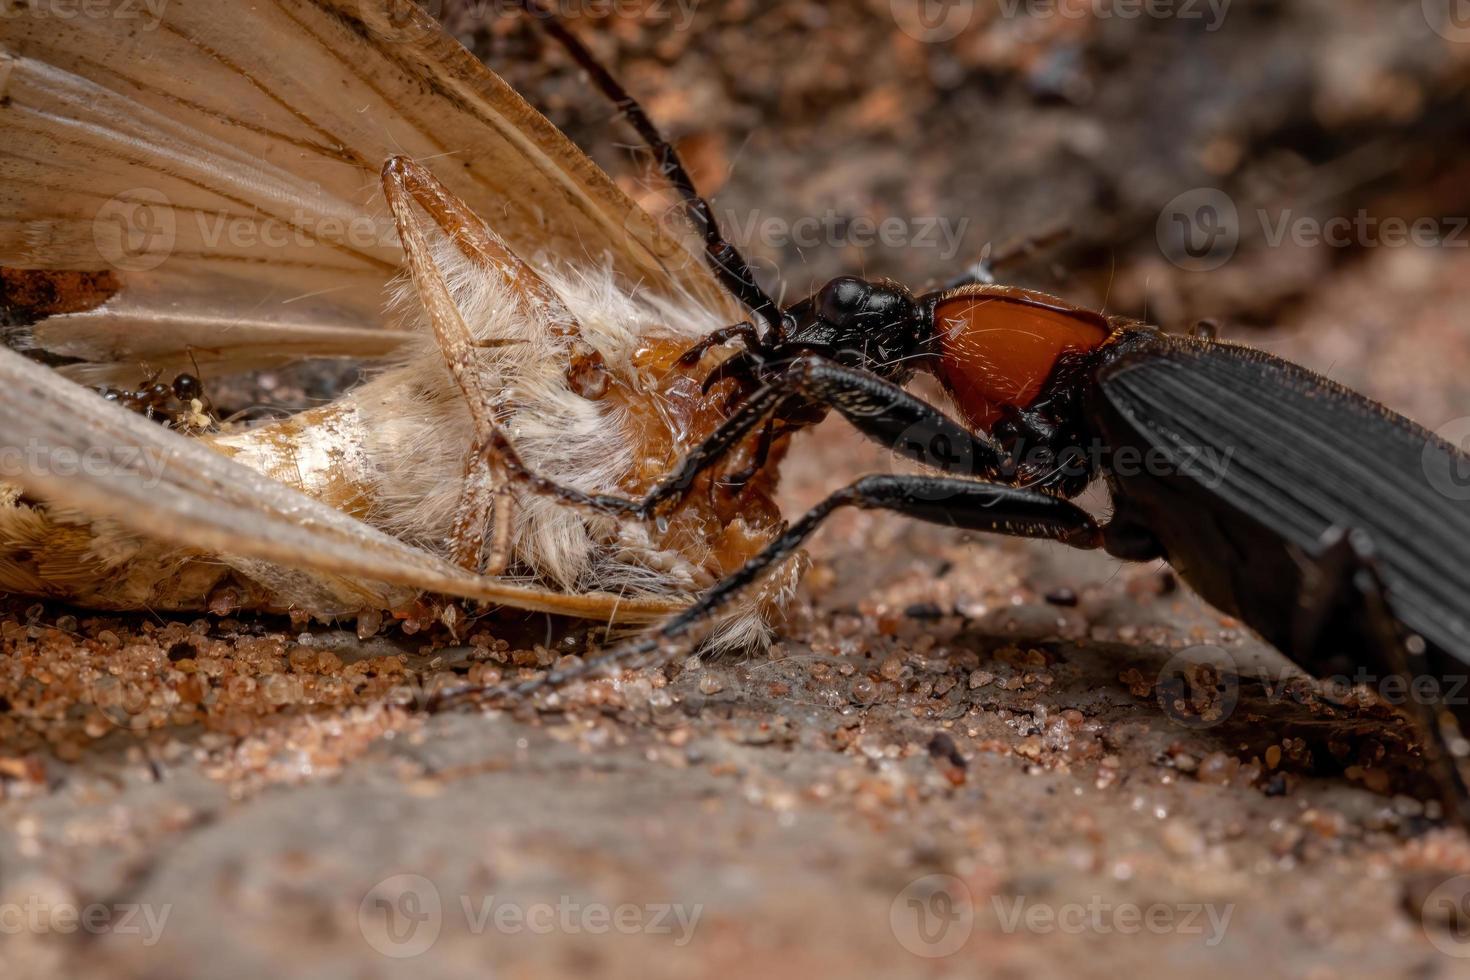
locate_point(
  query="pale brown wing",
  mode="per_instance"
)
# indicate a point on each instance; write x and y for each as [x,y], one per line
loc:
[71,448]
[222,159]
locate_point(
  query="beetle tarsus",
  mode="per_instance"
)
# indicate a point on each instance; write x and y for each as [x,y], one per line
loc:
[1346,569]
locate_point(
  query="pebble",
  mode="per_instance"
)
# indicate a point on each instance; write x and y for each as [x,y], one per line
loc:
[1182,839]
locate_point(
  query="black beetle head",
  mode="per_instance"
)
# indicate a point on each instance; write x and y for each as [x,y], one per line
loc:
[876,326]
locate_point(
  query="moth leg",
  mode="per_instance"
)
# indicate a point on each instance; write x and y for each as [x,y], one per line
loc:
[1346,569]
[969,504]
[486,496]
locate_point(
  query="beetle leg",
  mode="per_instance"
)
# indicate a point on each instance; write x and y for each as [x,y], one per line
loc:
[734,482]
[743,331]
[879,409]
[1346,568]
[724,259]
[968,504]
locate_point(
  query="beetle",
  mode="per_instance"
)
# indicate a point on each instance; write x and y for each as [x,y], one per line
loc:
[1310,512]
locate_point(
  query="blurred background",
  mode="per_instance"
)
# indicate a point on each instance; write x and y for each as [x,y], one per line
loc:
[1294,170]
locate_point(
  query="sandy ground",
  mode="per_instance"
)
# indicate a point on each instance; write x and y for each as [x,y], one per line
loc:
[965,756]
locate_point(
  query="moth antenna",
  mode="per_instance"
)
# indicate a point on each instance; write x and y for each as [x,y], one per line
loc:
[725,260]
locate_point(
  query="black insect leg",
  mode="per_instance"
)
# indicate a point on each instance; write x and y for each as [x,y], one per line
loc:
[968,504]
[746,333]
[877,408]
[1345,573]
[725,260]
[770,432]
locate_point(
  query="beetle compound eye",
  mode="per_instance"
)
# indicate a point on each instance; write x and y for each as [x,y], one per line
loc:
[843,298]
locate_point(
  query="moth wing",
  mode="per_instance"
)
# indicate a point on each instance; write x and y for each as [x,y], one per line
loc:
[76,451]
[220,161]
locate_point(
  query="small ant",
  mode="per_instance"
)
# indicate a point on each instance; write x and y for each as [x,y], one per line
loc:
[181,405]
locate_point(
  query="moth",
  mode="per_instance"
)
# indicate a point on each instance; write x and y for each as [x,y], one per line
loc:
[225,187]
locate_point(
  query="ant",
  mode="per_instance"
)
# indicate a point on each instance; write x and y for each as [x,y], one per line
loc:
[182,405]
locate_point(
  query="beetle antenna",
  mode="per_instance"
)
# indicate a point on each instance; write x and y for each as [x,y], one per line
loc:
[725,260]
[983,271]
